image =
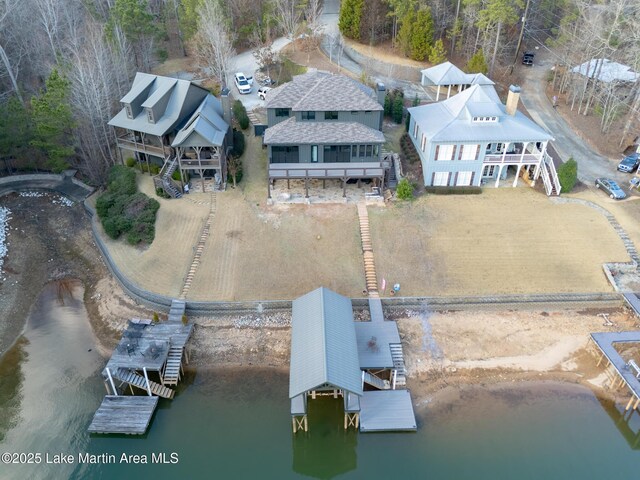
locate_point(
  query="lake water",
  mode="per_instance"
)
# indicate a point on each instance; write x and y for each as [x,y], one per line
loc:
[236,424]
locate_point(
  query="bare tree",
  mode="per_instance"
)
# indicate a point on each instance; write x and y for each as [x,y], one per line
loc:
[288,14]
[213,41]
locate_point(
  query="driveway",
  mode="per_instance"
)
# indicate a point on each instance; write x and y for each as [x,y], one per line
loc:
[591,165]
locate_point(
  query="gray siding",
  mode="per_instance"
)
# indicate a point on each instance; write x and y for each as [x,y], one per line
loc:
[304,154]
[372,119]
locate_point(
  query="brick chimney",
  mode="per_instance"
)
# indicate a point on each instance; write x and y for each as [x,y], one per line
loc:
[381,93]
[512,99]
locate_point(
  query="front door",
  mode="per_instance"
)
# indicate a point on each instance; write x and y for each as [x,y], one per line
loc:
[314,153]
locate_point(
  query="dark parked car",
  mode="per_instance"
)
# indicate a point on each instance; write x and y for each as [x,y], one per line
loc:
[629,163]
[611,188]
[527,58]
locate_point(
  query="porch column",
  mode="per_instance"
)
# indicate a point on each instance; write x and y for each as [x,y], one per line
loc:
[146,379]
[515,182]
[524,149]
[306,184]
[449,91]
[202,179]
[269,188]
[504,151]
[344,187]
[438,94]
[499,175]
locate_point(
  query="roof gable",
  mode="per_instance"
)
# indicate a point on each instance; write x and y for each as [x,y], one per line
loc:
[324,349]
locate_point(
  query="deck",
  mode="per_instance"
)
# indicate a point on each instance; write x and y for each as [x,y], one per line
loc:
[374,339]
[124,414]
[633,301]
[387,411]
[145,344]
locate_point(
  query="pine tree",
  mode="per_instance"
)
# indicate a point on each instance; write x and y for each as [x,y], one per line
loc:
[16,130]
[437,55]
[422,35]
[405,34]
[398,107]
[477,63]
[349,20]
[53,122]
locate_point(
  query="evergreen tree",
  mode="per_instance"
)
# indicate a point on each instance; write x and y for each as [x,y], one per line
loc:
[437,54]
[398,107]
[568,175]
[136,22]
[388,105]
[16,130]
[53,122]
[350,16]
[477,63]
[405,34]
[422,35]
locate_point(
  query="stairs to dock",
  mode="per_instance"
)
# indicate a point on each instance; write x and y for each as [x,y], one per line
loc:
[550,176]
[173,367]
[204,235]
[367,251]
[166,181]
[397,355]
[374,381]
[178,308]
[134,378]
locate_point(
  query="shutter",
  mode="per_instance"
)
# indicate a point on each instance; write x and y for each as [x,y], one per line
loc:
[455,179]
[462,149]
[453,152]
[473,174]
[437,151]
[477,151]
[433,178]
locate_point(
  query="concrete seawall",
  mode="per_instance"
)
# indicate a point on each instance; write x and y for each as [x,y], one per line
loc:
[63,183]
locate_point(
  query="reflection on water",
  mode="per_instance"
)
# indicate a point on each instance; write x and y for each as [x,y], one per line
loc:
[627,422]
[326,450]
[11,378]
[227,423]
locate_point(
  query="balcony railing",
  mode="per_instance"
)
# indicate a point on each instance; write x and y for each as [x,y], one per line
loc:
[513,158]
[326,170]
[211,162]
[154,150]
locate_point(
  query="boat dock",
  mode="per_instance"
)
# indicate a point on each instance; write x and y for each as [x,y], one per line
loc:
[618,371]
[360,362]
[145,364]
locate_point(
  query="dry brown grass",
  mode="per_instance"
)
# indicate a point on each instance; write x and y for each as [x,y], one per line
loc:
[503,241]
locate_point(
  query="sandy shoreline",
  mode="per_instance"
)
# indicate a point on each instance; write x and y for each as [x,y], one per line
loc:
[445,352]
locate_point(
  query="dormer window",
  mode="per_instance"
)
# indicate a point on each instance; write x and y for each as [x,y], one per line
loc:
[308,115]
[127,109]
[150,116]
[485,119]
[331,115]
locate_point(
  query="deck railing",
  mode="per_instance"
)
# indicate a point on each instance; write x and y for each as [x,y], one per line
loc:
[512,158]
[319,170]
[129,144]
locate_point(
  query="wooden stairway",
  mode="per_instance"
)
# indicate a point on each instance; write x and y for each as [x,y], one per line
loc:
[166,180]
[173,367]
[177,310]
[367,251]
[134,378]
[550,176]
[204,234]
[397,356]
[374,381]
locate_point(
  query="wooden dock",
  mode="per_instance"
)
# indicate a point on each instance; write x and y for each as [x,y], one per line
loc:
[124,414]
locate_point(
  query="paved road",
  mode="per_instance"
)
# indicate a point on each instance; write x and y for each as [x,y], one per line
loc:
[591,165]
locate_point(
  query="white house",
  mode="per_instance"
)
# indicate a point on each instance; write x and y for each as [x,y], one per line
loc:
[448,76]
[472,138]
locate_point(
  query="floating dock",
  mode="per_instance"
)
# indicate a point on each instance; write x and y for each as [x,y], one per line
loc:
[146,363]
[124,414]
[387,410]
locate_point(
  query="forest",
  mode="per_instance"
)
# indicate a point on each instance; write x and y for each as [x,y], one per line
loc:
[64,64]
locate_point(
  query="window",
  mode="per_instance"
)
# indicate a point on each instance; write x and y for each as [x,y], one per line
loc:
[369,150]
[415,130]
[445,152]
[282,112]
[485,119]
[441,179]
[354,112]
[488,170]
[150,115]
[375,150]
[331,115]
[469,152]
[127,108]
[284,154]
[361,150]
[314,153]
[423,143]
[308,115]
[337,153]
[464,179]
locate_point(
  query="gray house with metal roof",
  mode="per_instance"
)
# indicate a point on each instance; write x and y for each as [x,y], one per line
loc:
[471,139]
[324,126]
[174,123]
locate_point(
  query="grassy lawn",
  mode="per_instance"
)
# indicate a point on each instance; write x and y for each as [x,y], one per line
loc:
[503,241]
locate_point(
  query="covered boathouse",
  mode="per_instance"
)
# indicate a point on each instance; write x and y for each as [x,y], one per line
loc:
[331,355]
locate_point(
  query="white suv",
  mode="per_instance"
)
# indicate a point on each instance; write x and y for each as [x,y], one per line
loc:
[242,83]
[262,92]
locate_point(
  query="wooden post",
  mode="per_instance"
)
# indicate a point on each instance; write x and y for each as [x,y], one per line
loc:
[635,405]
[306,184]
[629,404]
[344,187]
[106,386]
[131,389]
[113,385]
[146,379]
[269,188]
[306,424]
[293,423]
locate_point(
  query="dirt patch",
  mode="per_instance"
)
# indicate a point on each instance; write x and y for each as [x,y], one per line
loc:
[387,53]
[313,59]
[500,242]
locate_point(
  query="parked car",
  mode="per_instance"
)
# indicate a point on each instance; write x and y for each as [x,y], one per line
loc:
[629,163]
[242,84]
[611,188]
[527,58]
[262,92]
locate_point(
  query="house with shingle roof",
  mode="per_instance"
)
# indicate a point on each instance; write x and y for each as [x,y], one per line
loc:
[324,126]
[175,124]
[472,139]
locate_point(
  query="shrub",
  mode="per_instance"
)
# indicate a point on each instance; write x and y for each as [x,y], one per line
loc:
[124,210]
[238,144]
[398,107]
[568,175]
[130,162]
[240,113]
[177,176]
[156,318]
[161,193]
[404,190]
[184,319]
[154,169]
